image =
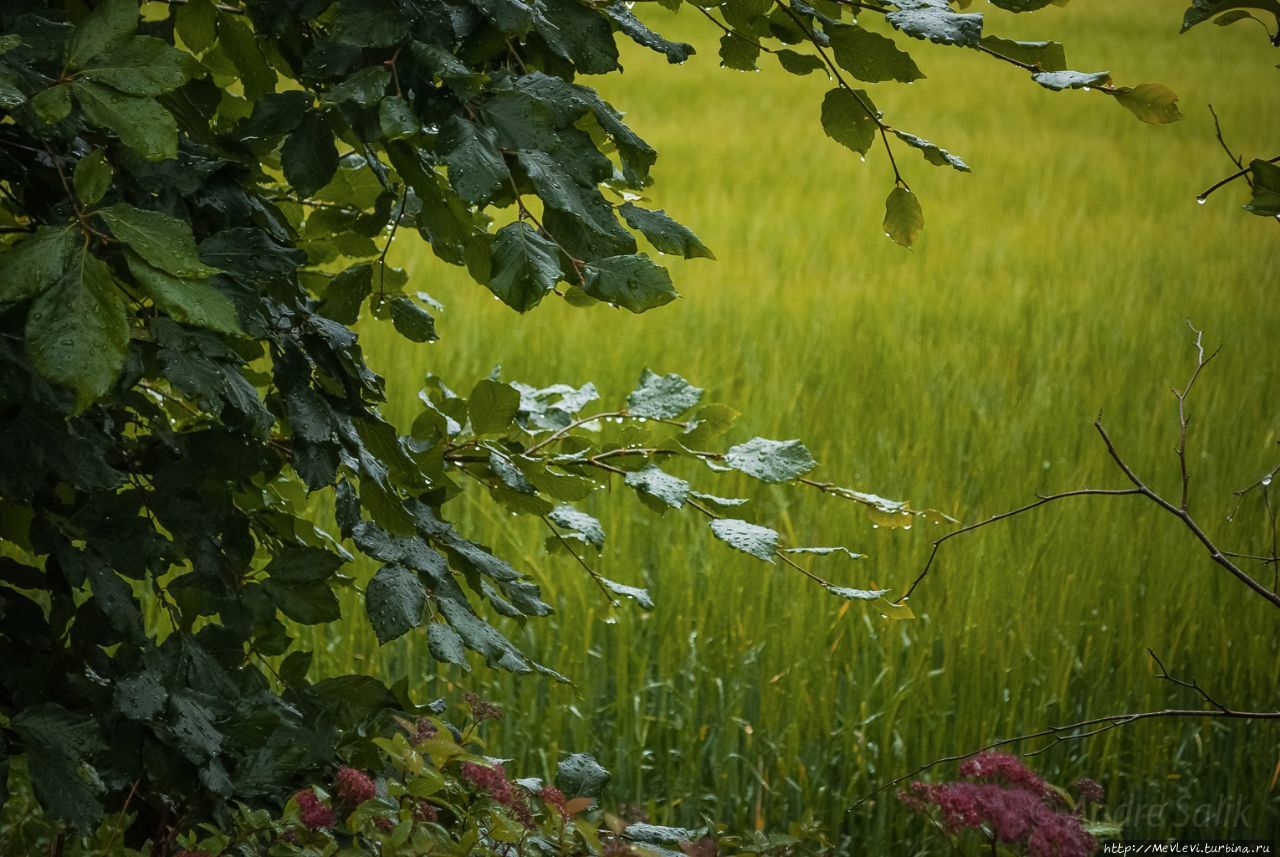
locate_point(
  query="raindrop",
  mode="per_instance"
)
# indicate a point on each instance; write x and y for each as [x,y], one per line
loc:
[1266,481]
[875,526]
[1201,200]
[1085,88]
[906,526]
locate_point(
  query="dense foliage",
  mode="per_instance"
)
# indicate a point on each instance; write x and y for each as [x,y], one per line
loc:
[201,198]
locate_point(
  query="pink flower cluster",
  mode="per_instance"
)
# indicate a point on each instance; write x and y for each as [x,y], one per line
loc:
[313,813]
[353,787]
[481,708]
[422,730]
[1010,801]
[493,782]
[552,796]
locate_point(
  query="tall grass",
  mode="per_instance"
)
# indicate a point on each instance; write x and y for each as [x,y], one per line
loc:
[1051,284]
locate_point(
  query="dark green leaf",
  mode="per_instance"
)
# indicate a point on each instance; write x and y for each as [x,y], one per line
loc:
[492,406]
[243,48]
[524,266]
[798,63]
[140,697]
[635,593]
[849,119]
[1048,55]
[189,301]
[396,119]
[196,24]
[53,104]
[192,724]
[476,168]
[394,600]
[369,23]
[32,265]
[662,486]
[939,24]
[445,645]
[903,217]
[872,57]
[578,522]
[738,52]
[1202,10]
[665,234]
[627,22]
[1265,199]
[250,254]
[412,321]
[771,460]
[662,397]
[760,542]
[579,34]
[162,241]
[77,330]
[92,177]
[309,155]
[580,775]
[365,88]
[631,281]
[58,743]
[141,65]
[140,123]
[1022,5]
[109,24]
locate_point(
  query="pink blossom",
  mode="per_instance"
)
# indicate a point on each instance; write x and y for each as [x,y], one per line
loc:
[312,812]
[353,787]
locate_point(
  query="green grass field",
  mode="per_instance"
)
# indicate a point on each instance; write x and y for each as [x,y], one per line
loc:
[1050,284]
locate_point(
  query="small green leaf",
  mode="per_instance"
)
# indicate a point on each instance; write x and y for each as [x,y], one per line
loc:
[444,644]
[1153,103]
[848,118]
[196,24]
[476,168]
[759,542]
[243,48]
[903,217]
[631,281]
[396,119]
[77,330]
[194,302]
[771,460]
[661,486]
[142,124]
[31,266]
[53,104]
[580,775]
[394,600]
[664,233]
[1265,200]
[162,241]
[492,406]
[738,52]
[92,177]
[937,23]
[1060,80]
[872,57]
[141,65]
[934,154]
[798,63]
[578,522]
[524,266]
[662,397]
[109,24]
[412,321]
[1049,56]
[140,697]
[309,155]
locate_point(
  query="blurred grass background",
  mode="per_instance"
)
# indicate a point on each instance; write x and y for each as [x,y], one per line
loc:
[1050,284]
